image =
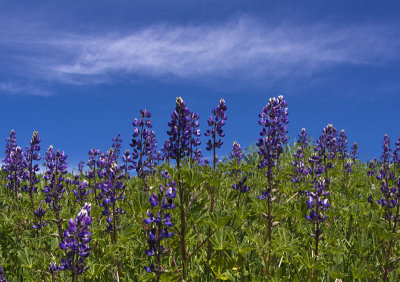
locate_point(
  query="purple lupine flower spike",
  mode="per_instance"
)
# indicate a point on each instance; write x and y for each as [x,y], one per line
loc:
[112,190]
[236,153]
[2,278]
[76,242]
[216,122]
[195,153]
[14,165]
[144,145]
[178,145]
[56,163]
[158,221]
[274,120]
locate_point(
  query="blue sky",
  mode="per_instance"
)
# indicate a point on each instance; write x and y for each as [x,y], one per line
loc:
[80,71]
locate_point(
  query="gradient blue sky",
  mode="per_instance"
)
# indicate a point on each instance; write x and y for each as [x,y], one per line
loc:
[80,71]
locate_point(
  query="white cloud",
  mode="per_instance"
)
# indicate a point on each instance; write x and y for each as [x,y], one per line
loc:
[12,88]
[243,48]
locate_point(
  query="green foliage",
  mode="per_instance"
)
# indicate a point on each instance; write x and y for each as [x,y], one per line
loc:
[352,247]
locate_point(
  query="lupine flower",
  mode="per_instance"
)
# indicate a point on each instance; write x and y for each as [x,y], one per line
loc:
[159,221]
[31,156]
[327,147]
[342,145]
[81,166]
[302,141]
[354,152]
[236,153]
[10,164]
[317,204]
[112,190]
[241,186]
[128,163]
[274,120]
[144,144]
[195,153]
[216,121]
[82,191]
[39,214]
[371,167]
[116,145]
[56,163]
[390,193]
[301,170]
[53,268]
[2,278]
[396,154]
[178,145]
[76,242]
[14,165]
[93,168]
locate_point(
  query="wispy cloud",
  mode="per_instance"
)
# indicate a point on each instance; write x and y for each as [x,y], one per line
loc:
[13,88]
[241,48]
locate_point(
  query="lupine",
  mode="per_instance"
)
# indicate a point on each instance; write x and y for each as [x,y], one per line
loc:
[236,153]
[32,155]
[301,170]
[56,163]
[76,243]
[317,203]
[53,268]
[15,165]
[116,145]
[390,200]
[303,140]
[236,156]
[177,147]
[396,155]
[82,191]
[9,164]
[354,152]
[386,176]
[144,145]
[128,163]
[327,147]
[158,222]
[216,122]
[11,143]
[274,120]
[93,167]
[2,278]
[195,153]
[241,186]
[39,215]
[112,190]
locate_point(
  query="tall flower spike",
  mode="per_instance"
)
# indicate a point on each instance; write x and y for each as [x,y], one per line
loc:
[195,153]
[92,174]
[236,153]
[76,242]
[144,145]
[178,145]
[112,190]
[216,122]
[274,120]
[31,156]
[56,163]
[327,147]
[158,221]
